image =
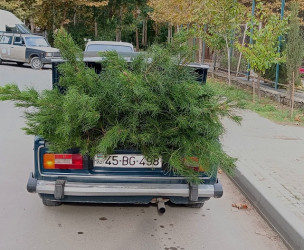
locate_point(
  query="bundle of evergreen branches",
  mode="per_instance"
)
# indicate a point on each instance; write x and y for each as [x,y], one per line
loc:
[153,105]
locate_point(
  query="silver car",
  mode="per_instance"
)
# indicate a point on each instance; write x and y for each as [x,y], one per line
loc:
[26,48]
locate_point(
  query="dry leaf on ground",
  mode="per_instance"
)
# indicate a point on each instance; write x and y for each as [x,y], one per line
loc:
[240,206]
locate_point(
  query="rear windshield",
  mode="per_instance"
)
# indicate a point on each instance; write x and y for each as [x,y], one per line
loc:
[36,42]
[108,47]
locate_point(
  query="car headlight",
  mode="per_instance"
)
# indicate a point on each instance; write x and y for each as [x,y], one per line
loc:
[48,54]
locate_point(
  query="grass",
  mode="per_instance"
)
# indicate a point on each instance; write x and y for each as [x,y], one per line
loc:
[264,107]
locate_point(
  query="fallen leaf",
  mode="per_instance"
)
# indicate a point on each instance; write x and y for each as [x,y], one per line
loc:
[298,118]
[240,206]
[244,206]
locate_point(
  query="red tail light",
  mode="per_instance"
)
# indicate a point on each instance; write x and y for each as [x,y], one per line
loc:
[192,162]
[62,161]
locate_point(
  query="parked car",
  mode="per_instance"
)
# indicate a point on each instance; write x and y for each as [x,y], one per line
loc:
[26,48]
[123,177]
[102,46]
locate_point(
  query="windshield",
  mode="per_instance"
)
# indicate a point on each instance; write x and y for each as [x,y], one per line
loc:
[108,47]
[36,42]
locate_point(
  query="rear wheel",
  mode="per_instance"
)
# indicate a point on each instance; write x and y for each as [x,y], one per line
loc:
[50,203]
[36,63]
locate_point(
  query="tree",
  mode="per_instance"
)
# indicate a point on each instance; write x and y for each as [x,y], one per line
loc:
[25,10]
[225,19]
[294,51]
[153,105]
[49,14]
[177,12]
[263,53]
[216,43]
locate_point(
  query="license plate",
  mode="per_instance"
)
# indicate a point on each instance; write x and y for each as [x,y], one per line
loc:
[125,161]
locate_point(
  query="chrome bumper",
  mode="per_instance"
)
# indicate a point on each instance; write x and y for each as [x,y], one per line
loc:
[48,60]
[124,189]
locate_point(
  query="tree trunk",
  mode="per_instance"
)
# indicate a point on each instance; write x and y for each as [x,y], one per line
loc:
[228,53]
[214,63]
[118,27]
[64,16]
[143,33]
[136,29]
[252,73]
[146,31]
[137,39]
[156,30]
[74,18]
[200,49]
[243,42]
[118,34]
[259,86]
[169,32]
[32,25]
[95,28]
[53,22]
[292,94]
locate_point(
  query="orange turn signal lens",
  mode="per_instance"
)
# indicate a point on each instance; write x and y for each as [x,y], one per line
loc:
[62,161]
[49,161]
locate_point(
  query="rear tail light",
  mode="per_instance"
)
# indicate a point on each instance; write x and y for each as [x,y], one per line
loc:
[62,161]
[193,162]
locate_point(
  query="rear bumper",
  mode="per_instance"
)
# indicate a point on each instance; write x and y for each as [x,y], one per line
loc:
[48,60]
[123,189]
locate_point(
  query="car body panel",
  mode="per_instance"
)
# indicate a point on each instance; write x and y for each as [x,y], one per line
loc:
[18,53]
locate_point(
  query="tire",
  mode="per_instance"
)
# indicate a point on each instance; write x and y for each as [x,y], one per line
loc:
[196,205]
[20,63]
[50,203]
[36,63]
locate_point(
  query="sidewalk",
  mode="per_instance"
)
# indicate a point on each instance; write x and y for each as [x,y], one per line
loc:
[270,171]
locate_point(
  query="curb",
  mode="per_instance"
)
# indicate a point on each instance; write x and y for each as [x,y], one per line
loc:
[285,223]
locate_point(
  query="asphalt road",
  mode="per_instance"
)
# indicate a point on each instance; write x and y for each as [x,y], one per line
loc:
[26,224]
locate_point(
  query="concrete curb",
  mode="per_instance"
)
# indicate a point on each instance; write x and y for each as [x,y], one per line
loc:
[285,223]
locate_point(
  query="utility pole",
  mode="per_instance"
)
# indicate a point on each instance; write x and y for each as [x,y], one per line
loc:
[251,32]
[279,48]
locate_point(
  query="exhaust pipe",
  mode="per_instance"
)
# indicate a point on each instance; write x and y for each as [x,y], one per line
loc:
[161,206]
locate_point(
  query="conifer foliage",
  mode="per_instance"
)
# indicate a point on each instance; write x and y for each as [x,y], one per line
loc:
[153,105]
